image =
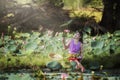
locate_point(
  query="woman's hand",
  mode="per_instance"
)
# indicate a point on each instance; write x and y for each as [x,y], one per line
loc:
[63,39]
[65,32]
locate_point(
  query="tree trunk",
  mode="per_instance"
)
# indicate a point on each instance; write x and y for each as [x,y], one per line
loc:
[117,16]
[107,18]
[111,18]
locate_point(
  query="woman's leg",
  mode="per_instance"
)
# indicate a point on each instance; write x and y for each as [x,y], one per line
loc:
[73,58]
[79,65]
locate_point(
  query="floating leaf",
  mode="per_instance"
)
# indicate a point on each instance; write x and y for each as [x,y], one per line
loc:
[54,65]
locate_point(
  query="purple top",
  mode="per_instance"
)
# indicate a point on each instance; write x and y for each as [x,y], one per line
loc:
[74,48]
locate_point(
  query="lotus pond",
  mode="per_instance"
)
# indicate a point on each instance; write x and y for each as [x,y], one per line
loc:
[22,51]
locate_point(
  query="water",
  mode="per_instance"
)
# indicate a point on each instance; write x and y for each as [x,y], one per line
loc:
[53,76]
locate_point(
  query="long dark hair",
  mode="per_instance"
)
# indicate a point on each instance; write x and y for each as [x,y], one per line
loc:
[81,38]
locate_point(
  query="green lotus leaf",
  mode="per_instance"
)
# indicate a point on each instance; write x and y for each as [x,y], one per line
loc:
[97,44]
[104,36]
[12,47]
[85,35]
[73,65]
[1,50]
[87,29]
[34,36]
[117,33]
[6,38]
[94,65]
[24,34]
[31,46]
[105,48]
[54,65]
[113,47]
[117,49]
[1,42]
[11,42]
[98,51]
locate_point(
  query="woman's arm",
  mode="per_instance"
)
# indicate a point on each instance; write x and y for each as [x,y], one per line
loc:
[66,45]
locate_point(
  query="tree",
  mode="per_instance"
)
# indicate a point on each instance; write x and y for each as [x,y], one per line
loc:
[111,18]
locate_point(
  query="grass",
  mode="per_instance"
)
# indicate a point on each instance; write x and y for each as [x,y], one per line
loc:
[23,61]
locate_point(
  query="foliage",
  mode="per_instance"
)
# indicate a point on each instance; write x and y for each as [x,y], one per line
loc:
[35,47]
[57,3]
[103,49]
[96,3]
[104,43]
[77,4]
[73,4]
[87,13]
[84,19]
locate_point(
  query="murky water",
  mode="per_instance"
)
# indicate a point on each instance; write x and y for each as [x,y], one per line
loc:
[54,76]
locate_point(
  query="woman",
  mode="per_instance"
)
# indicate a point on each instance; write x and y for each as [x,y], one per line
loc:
[74,47]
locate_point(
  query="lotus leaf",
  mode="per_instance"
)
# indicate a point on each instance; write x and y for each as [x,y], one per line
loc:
[54,65]
[117,33]
[1,42]
[104,36]
[12,47]
[97,44]
[31,46]
[98,51]
[24,34]
[73,65]
[94,65]
[6,38]
[11,42]
[87,29]
[85,35]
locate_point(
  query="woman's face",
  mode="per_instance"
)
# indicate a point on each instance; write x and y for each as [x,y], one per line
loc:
[77,36]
